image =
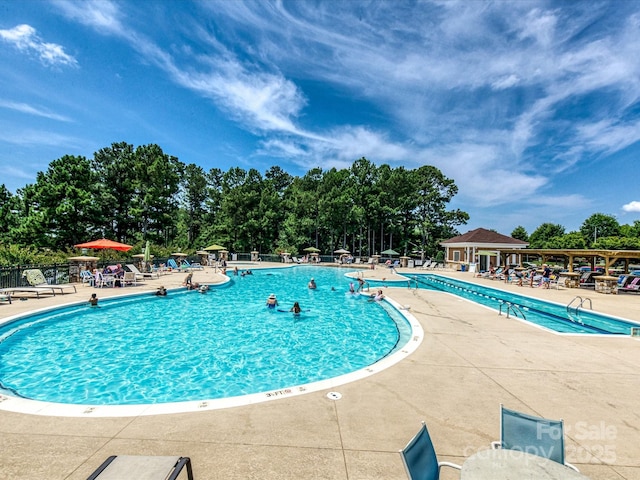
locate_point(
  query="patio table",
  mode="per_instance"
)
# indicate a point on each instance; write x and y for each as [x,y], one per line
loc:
[503,464]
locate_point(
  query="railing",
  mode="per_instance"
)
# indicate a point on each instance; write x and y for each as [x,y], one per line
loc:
[12,276]
[579,306]
[511,309]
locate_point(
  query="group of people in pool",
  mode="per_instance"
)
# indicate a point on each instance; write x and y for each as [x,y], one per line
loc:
[272,301]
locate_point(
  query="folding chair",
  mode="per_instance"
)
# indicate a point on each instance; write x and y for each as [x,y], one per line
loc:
[536,435]
[420,460]
[120,467]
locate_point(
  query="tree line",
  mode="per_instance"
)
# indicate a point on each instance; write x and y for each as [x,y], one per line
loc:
[598,231]
[138,194]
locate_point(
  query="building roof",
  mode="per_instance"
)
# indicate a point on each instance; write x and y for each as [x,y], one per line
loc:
[484,236]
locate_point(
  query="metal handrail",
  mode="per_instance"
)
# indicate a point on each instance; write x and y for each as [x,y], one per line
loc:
[582,301]
[511,308]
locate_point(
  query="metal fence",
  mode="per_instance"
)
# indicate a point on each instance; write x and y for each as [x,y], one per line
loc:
[13,276]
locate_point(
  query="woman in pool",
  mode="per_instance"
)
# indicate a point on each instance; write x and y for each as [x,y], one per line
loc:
[296,308]
[272,302]
[312,284]
[377,297]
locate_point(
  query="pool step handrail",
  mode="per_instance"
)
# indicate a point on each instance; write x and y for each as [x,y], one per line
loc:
[579,306]
[513,309]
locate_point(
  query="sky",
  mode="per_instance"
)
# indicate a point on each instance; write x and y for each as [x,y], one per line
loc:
[531,107]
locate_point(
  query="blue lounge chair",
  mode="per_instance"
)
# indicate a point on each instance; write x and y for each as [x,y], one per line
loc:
[419,458]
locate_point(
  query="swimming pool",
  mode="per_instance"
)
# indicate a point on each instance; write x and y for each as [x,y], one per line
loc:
[198,347]
[549,315]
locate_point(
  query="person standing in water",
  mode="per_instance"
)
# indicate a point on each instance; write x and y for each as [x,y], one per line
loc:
[296,308]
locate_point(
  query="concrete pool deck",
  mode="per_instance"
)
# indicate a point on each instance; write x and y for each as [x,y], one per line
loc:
[470,361]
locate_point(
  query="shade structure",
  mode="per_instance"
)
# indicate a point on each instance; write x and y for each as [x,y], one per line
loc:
[214,247]
[105,244]
[141,256]
[311,249]
[341,250]
[390,252]
[178,254]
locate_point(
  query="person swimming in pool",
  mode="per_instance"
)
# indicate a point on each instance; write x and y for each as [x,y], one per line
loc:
[93,301]
[296,308]
[312,284]
[272,301]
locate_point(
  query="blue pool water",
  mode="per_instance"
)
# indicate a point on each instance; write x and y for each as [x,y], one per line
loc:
[192,346]
[546,314]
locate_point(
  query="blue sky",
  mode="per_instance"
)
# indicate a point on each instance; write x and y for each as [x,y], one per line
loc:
[532,107]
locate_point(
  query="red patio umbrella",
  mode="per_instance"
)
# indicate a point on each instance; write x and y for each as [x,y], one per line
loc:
[105,244]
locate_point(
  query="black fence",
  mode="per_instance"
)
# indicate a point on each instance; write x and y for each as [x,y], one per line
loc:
[13,276]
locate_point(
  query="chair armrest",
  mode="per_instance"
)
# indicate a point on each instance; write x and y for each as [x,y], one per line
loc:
[449,464]
[572,467]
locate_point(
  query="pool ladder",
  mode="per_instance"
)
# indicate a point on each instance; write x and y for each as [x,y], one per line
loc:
[579,306]
[511,309]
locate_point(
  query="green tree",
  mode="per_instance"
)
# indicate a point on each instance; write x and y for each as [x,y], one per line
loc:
[520,233]
[544,233]
[573,240]
[116,171]
[60,210]
[434,192]
[599,225]
[193,187]
[9,204]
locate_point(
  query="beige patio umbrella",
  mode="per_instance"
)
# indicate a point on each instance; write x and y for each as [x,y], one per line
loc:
[214,247]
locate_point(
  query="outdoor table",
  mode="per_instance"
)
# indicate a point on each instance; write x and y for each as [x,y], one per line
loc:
[504,464]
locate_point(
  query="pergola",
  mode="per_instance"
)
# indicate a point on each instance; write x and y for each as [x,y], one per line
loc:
[569,255]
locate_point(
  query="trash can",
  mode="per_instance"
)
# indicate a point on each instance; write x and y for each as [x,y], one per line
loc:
[463,267]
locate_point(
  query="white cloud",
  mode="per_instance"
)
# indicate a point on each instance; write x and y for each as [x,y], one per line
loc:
[31,110]
[632,206]
[25,38]
[102,15]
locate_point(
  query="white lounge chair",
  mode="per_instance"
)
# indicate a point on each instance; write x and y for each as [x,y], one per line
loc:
[139,274]
[87,278]
[129,278]
[36,278]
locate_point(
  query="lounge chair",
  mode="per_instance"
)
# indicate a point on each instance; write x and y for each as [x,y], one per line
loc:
[143,275]
[37,279]
[102,280]
[420,460]
[632,286]
[5,297]
[559,282]
[36,290]
[87,278]
[536,435]
[129,278]
[119,467]
[191,266]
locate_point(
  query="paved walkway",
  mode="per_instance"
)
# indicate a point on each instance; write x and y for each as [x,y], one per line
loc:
[470,361]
